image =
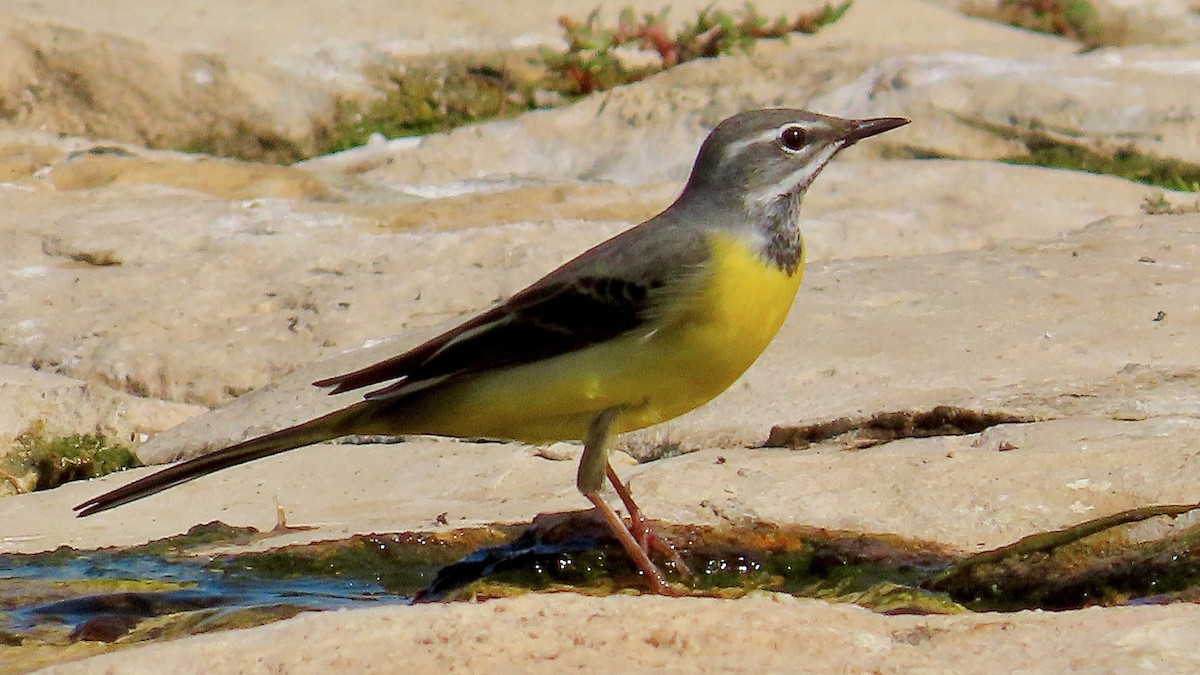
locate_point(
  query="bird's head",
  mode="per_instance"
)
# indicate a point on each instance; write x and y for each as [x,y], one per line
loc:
[763,157]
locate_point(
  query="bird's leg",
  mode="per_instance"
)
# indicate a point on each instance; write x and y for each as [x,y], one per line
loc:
[593,466]
[637,522]
[646,538]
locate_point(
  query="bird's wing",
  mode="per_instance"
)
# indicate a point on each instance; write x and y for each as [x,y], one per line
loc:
[583,303]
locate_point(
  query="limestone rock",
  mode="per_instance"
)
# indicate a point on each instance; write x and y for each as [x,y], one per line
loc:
[141,286]
[52,405]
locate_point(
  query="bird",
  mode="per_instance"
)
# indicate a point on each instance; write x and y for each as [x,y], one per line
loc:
[635,331]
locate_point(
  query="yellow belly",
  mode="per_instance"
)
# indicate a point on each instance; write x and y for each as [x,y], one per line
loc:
[704,342]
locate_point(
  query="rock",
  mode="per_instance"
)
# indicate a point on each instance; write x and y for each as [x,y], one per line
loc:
[314,36]
[53,403]
[648,131]
[49,406]
[276,285]
[81,83]
[867,335]
[979,106]
[875,334]
[557,631]
[1044,306]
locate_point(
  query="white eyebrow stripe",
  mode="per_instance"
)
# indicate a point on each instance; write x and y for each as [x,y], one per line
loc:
[734,149]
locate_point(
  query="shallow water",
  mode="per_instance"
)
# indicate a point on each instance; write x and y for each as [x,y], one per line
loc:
[69,591]
[184,586]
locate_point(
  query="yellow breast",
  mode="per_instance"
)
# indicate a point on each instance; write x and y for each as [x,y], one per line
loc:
[722,330]
[708,335]
[742,305]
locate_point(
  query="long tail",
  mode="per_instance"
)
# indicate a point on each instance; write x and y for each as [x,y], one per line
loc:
[320,429]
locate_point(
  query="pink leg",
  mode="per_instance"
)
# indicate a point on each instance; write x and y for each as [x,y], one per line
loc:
[640,529]
[654,577]
[637,522]
[593,466]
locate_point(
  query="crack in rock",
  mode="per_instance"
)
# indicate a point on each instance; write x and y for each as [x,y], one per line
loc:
[882,427]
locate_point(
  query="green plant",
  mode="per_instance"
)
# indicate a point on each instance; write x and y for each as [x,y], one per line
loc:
[418,99]
[425,99]
[1127,162]
[55,461]
[1073,19]
[591,63]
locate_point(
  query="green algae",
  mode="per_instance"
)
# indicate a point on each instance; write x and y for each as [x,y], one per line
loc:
[182,624]
[208,534]
[401,563]
[43,463]
[574,552]
[1093,563]
[1127,162]
[16,593]
[181,591]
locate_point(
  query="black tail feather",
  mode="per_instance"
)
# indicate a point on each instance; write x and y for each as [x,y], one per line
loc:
[314,431]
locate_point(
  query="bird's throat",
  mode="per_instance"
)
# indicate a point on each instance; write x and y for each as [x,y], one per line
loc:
[781,229]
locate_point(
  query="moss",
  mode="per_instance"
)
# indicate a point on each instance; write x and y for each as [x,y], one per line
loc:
[1066,149]
[424,99]
[401,563]
[1127,162]
[54,461]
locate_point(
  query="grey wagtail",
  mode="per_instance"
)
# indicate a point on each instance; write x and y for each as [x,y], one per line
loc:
[637,330]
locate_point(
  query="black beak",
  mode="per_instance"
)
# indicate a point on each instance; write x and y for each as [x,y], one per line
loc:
[860,129]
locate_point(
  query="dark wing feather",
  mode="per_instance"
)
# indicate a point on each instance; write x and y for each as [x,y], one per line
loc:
[575,306]
[403,364]
[540,323]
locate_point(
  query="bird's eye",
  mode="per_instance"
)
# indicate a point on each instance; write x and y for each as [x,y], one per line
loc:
[793,138]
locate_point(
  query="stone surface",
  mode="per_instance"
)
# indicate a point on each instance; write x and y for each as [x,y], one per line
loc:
[1165,22]
[274,283]
[143,286]
[86,83]
[762,633]
[48,405]
[1110,99]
